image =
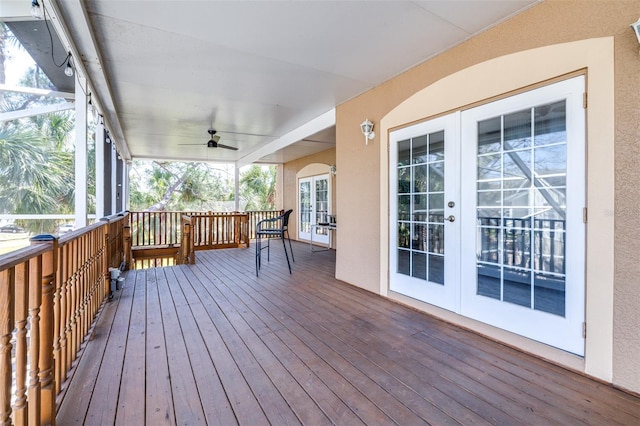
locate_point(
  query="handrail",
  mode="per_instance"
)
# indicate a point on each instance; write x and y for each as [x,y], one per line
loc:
[163,228]
[156,238]
[219,230]
[50,294]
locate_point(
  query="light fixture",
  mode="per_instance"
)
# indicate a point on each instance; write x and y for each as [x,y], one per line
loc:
[91,108]
[36,10]
[636,29]
[68,70]
[367,131]
[332,169]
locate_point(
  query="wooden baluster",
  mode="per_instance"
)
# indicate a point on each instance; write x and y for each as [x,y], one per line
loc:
[57,290]
[69,301]
[20,410]
[106,276]
[73,287]
[47,379]
[64,312]
[7,278]
[35,299]
[247,236]
[85,287]
[80,294]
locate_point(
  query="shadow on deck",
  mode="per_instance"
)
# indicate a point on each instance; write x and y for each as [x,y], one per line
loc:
[211,343]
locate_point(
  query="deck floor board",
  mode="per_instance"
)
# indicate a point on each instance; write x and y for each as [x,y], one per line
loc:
[213,344]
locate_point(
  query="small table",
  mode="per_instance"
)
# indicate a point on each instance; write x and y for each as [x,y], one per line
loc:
[329,228]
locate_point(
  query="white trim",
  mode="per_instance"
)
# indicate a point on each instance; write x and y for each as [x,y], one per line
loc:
[100,178]
[81,173]
[443,295]
[561,332]
[24,113]
[35,91]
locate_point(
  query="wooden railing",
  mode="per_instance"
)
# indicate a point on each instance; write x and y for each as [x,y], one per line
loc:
[156,238]
[50,294]
[219,230]
[155,228]
[256,216]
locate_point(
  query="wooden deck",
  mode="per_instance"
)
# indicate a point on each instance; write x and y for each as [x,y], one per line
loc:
[211,343]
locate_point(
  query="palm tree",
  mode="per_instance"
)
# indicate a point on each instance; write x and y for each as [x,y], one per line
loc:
[258,187]
[36,163]
[177,186]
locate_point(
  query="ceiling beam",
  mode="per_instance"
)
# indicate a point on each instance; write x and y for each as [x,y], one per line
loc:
[23,113]
[312,127]
[15,11]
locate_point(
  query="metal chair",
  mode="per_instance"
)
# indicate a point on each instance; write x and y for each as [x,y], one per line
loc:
[271,228]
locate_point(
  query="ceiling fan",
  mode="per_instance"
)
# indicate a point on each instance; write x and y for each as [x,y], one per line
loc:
[213,142]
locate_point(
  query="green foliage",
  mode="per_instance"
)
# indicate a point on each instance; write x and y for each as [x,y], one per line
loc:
[174,186]
[258,187]
[37,170]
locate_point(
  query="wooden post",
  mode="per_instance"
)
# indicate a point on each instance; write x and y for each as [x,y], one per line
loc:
[46,362]
[127,247]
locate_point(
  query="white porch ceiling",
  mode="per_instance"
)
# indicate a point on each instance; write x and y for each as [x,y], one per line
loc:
[254,70]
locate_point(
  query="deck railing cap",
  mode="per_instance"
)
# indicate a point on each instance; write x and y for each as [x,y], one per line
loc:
[42,238]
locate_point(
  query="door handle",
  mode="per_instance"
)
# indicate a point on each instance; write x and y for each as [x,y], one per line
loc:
[451,218]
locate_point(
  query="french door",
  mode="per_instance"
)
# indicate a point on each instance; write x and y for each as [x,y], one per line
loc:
[313,203]
[424,256]
[511,213]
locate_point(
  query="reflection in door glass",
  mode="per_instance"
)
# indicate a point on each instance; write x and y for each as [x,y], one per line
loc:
[305,207]
[421,207]
[521,208]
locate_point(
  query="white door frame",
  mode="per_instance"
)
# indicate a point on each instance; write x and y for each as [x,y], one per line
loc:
[320,235]
[563,332]
[443,295]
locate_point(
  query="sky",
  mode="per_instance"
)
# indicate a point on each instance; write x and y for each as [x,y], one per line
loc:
[19,61]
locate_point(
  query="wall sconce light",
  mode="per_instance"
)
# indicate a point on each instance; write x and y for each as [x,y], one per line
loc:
[367,131]
[332,169]
[636,29]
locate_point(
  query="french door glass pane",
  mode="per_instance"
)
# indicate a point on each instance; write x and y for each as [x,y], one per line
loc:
[420,216]
[305,206]
[322,204]
[521,208]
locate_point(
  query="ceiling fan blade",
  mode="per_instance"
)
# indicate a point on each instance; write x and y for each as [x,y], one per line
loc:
[185,144]
[227,147]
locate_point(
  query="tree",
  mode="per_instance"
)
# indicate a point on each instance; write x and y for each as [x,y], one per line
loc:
[258,187]
[160,186]
[36,159]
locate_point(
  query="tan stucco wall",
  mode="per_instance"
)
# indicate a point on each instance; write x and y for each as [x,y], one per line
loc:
[291,172]
[362,169]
